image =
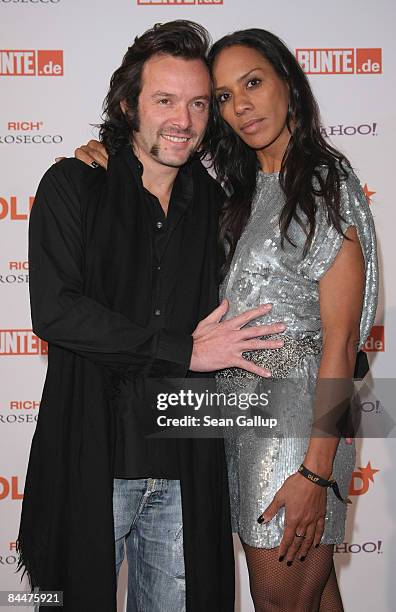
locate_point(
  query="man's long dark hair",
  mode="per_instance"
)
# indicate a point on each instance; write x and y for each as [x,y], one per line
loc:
[180,38]
[300,177]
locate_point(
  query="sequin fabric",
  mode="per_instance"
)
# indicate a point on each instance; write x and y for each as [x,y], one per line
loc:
[280,362]
[262,272]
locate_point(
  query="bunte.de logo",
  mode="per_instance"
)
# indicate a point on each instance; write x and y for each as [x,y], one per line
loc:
[375,342]
[30,62]
[21,342]
[340,61]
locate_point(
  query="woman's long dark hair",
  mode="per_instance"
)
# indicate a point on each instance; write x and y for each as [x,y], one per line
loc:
[300,176]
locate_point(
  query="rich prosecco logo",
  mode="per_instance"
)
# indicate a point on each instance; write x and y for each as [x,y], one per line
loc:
[28,132]
[12,2]
[9,557]
[20,412]
[29,62]
[17,273]
[340,61]
[176,2]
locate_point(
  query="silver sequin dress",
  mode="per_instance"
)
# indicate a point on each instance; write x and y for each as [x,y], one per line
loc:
[262,272]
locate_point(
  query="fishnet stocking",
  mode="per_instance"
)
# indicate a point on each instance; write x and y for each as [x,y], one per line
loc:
[331,596]
[305,586]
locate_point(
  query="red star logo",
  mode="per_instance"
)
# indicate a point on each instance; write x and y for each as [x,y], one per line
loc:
[361,479]
[368,472]
[368,193]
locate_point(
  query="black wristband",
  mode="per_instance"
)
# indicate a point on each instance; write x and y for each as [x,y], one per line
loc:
[322,482]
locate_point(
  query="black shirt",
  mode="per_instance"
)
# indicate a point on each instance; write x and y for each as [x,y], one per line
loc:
[136,455]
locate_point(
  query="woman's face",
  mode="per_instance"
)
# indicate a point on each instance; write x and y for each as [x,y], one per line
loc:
[252,98]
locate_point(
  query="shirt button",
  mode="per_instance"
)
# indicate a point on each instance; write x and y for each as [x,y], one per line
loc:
[158,268]
[159,224]
[157,312]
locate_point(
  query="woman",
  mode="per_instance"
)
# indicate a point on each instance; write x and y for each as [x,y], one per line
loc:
[299,234]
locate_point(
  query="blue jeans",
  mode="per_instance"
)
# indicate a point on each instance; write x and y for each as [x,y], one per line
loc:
[148,520]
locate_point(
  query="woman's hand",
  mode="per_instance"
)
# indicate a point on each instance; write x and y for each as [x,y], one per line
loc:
[305,510]
[93,154]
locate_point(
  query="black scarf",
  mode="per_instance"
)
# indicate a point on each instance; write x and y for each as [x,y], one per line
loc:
[66,537]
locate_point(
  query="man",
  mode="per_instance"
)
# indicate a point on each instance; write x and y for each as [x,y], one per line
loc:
[123,286]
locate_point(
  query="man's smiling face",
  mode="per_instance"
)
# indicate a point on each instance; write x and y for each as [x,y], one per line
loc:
[173,110]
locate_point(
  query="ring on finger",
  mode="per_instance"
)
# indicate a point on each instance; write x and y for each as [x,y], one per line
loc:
[299,535]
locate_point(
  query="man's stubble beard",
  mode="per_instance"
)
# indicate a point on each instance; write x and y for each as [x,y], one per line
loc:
[155,152]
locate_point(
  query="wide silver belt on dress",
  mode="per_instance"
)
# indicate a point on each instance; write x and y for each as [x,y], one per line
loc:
[280,362]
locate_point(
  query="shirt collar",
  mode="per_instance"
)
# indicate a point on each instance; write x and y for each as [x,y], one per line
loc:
[182,192]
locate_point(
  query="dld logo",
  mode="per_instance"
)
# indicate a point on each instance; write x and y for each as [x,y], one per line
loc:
[361,479]
[9,487]
[368,193]
[9,208]
[28,62]
[21,342]
[340,61]
[376,340]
